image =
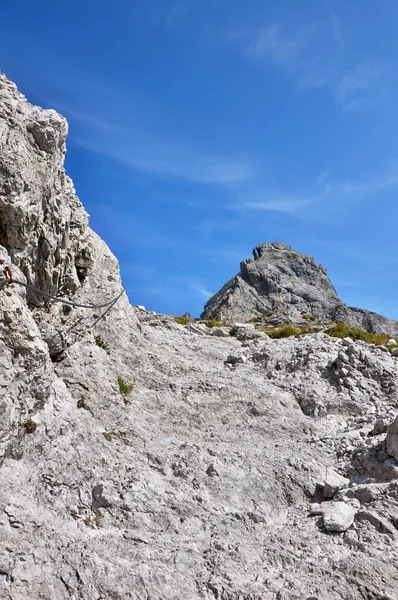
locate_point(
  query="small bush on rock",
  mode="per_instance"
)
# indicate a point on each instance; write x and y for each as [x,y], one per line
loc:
[391,346]
[258,319]
[102,344]
[283,332]
[308,317]
[182,320]
[30,426]
[107,436]
[212,323]
[342,330]
[125,388]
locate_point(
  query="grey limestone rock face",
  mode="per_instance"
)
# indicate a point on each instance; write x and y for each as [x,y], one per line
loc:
[392,439]
[283,284]
[136,462]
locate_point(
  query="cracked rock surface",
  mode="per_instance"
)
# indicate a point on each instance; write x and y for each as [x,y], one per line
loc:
[147,460]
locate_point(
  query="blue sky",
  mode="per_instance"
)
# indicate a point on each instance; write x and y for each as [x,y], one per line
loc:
[200,128]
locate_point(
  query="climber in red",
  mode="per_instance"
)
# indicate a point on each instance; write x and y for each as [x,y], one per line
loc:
[7,271]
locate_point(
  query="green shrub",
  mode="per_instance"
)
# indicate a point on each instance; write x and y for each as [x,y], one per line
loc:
[101,343]
[259,319]
[107,436]
[391,346]
[283,332]
[308,317]
[30,426]
[182,320]
[212,323]
[342,330]
[125,388]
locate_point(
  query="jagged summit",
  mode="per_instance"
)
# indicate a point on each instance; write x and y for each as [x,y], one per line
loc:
[261,248]
[277,279]
[282,284]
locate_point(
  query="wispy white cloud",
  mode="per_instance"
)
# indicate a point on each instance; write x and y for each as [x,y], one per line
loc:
[297,52]
[273,203]
[165,159]
[324,194]
[364,188]
[314,80]
[201,290]
[314,63]
[364,85]
[271,43]
[337,30]
[118,124]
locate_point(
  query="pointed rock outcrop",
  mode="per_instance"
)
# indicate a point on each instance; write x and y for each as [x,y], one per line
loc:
[282,285]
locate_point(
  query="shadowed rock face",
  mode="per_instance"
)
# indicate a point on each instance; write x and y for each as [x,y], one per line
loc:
[282,284]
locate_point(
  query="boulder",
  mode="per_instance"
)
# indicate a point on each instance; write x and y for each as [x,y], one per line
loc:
[234,359]
[392,439]
[219,332]
[244,332]
[333,483]
[379,427]
[338,517]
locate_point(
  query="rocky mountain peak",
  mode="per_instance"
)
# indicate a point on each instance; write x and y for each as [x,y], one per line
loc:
[281,285]
[277,279]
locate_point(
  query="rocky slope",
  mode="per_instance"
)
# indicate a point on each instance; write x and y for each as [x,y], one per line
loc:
[238,468]
[281,284]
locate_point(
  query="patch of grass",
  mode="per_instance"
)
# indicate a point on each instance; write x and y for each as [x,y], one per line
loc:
[283,332]
[213,323]
[125,388]
[155,323]
[102,344]
[107,436]
[30,426]
[182,320]
[74,515]
[259,319]
[391,346]
[342,330]
[308,317]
